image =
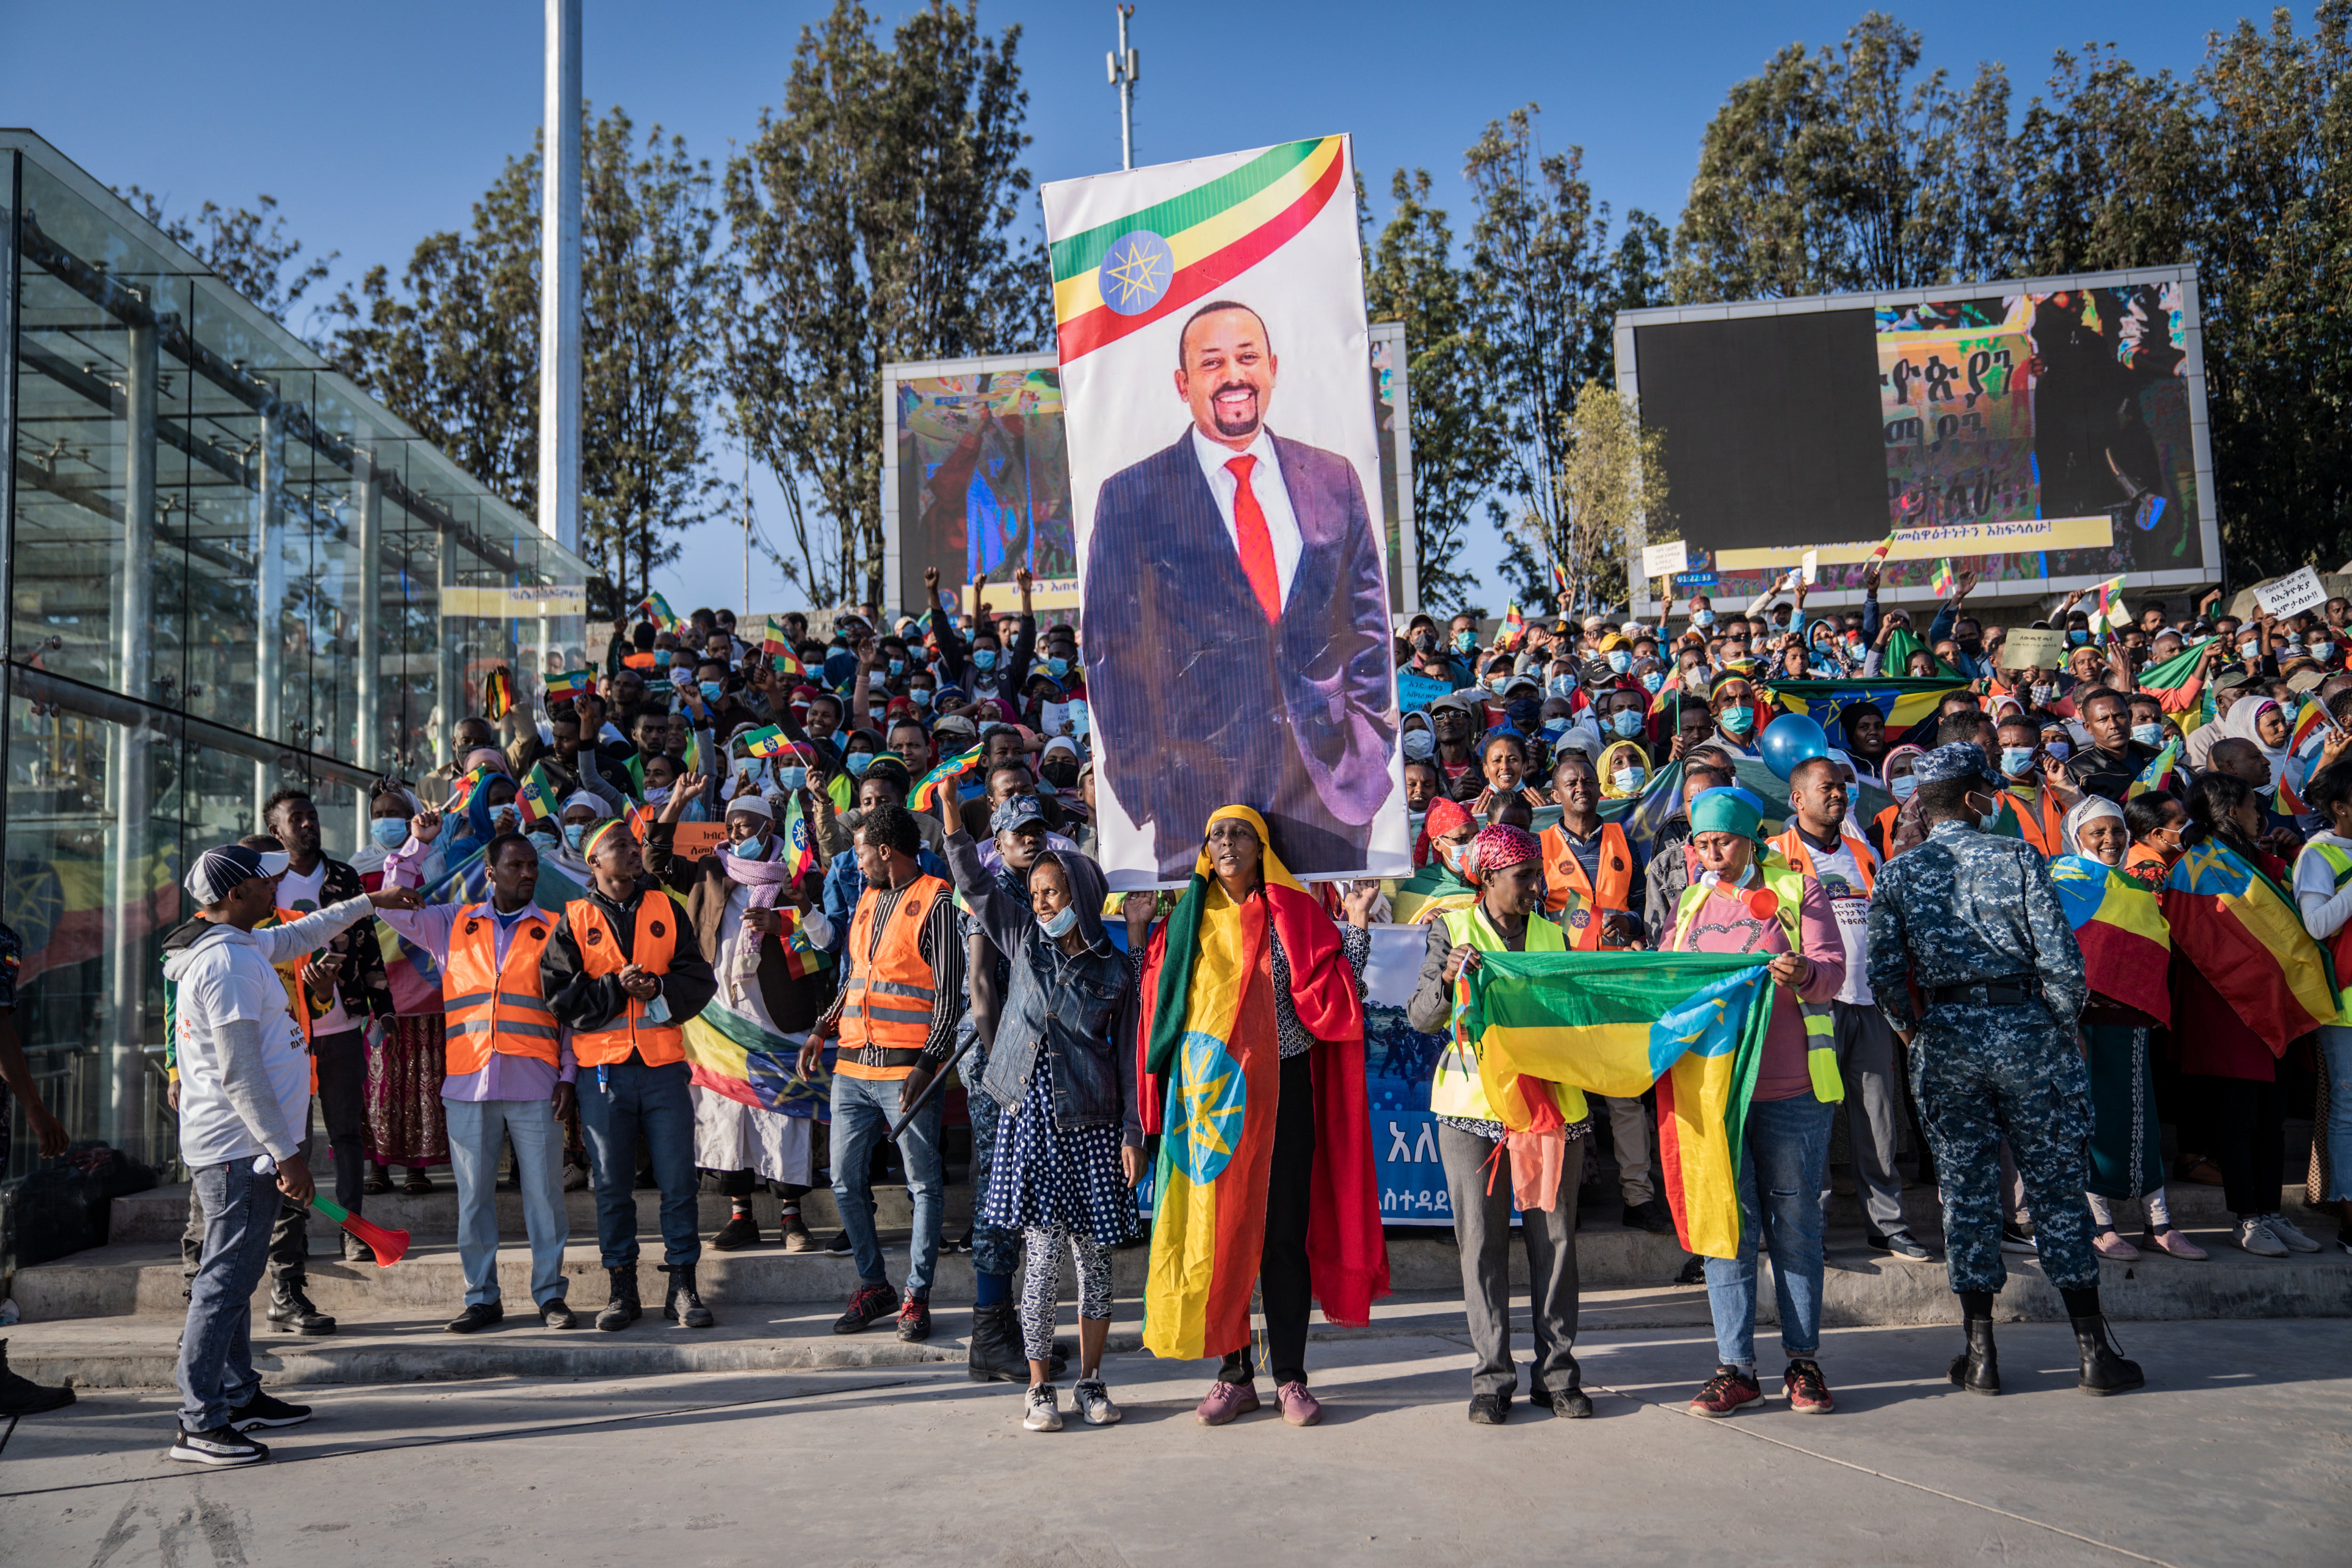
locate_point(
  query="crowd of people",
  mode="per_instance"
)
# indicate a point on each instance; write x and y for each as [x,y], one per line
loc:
[880,925]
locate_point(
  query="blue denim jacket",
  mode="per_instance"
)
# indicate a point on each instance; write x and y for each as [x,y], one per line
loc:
[1078,1008]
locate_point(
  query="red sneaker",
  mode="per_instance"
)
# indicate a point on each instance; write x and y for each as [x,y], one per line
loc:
[1807,1394]
[1725,1391]
[871,1303]
[1299,1408]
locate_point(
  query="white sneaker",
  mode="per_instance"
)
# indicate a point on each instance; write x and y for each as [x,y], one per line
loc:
[2277,1225]
[1093,1401]
[2255,1236]
[1044,1408]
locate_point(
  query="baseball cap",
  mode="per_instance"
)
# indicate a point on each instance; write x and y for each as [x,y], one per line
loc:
[219,872]
[1015,811]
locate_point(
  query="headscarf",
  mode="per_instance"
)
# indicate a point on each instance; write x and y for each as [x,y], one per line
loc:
[2091,809]
[1627,751]
[1446,816]
[1728,809]
[369,859]
[1088,889]
[1499,845]
[2238,724]
[1846,716]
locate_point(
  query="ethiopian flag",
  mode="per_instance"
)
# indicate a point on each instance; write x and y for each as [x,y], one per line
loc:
[1613,1024]
[1119,277]
[2119,926]
[2244,932]
[733,1056]
[1212,1083]
[1907,705]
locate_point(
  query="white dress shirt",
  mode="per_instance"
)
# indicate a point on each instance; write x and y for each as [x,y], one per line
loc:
[1273,498]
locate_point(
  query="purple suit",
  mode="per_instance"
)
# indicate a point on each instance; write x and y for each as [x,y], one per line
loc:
[1198,702]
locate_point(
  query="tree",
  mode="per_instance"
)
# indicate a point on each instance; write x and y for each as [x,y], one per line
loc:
[1845,170]
[873,219]
[1545,286]
[249,250]
[1413,279]
[454,348]
[1612,493]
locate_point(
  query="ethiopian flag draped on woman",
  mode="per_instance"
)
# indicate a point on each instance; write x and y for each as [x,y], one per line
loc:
[1211,1073]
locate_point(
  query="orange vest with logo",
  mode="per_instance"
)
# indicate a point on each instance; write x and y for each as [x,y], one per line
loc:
[2048,835]
[1800,854]
[654,940]
[1565,884]
[886,1003]
[493,1006]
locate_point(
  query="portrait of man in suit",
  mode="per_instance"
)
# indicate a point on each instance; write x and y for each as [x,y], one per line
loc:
[1237,641]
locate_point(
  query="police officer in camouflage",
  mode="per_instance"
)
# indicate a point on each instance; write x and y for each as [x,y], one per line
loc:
[1973,922]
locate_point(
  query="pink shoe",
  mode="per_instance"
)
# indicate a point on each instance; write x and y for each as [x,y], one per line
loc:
[2111,1243]
[1299,1406]
[2174,1241]
[1225,1401]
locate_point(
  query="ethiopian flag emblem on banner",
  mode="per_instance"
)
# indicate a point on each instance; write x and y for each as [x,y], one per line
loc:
[1613,1024]
[1117,276]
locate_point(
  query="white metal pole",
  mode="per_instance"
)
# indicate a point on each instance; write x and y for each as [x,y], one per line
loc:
[558,295]
[1122,75]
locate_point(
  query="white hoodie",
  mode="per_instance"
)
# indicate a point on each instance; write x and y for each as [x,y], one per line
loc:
[232,1105]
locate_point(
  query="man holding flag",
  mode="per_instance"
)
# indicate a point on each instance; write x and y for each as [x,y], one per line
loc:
[1971,921]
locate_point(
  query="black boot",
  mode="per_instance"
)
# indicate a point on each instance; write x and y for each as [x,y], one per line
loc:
[2105,1370]
[996,1354]
[623,1309]
[682,1304]
[1978,1368]
[290,1308]
[20,1396]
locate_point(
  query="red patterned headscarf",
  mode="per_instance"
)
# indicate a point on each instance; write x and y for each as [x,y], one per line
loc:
[1445,815]
[1500,845]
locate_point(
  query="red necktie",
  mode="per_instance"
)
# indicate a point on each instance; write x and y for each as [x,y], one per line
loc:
[1257,542]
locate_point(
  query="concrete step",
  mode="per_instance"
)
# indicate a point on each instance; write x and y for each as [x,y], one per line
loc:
[127,1277]
[386,1334]
[159,1215]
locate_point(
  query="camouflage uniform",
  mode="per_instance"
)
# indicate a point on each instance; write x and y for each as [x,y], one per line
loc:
[1966,908]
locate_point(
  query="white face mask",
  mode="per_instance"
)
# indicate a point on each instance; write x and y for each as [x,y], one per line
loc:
[1629,781]
[1904,788]
[1420,745]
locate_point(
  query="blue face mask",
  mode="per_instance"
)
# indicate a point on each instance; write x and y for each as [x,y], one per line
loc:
[1560,686]
[1737,721]
[1654,681]
[753,848]
[1703,618]
[1497,683]
[1464,641]
[1060,667]
[791,778]
[1628,780]
[713,691]
[983,658]
[390,831]
[860,762]
[1058,924]
[1620,661]
[2148,734]
[575,834]
[1991,821]
[2079,638]
[898,666]
[1554,729]
[920,695]
[2016,760]
[2320,651]
[1627,721]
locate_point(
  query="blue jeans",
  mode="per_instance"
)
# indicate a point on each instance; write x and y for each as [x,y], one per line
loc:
[216,1371]
[2335,1060]
[475,1129]
[1787,1147]
[636,1099]
[863,1110]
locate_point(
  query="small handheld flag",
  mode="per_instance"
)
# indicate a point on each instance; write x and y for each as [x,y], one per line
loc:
[767,742]
[462,792]
[1944,579]
[570,683]
[1515,627]
[791,667]
[2157,774]
[498,694]
[926,795]
[536,799]
[1560,587]
[655,608]
[1884,546]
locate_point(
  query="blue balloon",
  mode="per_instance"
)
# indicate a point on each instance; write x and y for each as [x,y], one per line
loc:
[1789,739]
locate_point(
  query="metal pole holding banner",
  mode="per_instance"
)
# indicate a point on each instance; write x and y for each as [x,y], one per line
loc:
[559,282]
[1126,64]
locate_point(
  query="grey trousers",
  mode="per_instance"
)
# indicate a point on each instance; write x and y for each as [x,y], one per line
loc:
[1482,1224]
[1873,1104]
[1629,1130]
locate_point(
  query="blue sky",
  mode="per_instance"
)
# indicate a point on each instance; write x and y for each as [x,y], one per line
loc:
[374,125]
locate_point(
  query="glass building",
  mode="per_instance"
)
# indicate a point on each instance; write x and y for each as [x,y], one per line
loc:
[226,570]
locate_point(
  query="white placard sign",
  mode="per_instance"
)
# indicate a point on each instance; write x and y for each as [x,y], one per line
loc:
[2293,594]
[1664,559]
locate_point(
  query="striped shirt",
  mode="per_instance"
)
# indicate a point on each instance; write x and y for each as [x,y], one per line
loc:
[941,947]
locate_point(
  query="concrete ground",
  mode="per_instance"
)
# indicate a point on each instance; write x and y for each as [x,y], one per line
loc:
[2239,1451]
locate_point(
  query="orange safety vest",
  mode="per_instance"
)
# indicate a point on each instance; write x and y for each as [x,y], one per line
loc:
[492,1006]
[1800,854]
[600,954]
[2049,835]
[886,1003]
[1882,826]
[1564,880]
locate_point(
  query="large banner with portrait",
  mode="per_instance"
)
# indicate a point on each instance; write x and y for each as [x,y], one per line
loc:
[1210,319]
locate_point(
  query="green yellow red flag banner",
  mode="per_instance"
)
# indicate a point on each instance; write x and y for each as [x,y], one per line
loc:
[1613,1024]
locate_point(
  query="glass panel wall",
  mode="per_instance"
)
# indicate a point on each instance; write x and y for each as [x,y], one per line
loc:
[227,570]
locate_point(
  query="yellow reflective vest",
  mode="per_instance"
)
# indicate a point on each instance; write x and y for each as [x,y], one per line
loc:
[1455,1089]
[1786,886]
